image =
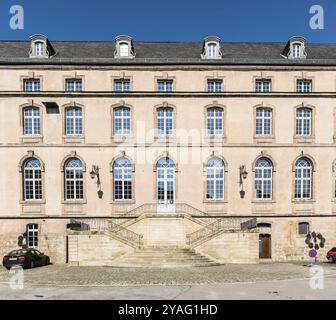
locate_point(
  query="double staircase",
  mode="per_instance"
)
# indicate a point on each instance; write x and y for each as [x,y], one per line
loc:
[119,229]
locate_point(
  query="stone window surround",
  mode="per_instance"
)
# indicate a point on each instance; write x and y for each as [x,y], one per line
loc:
[30,76]
[226,187]
[165,138]
[73,139]
[305,139]
[263,139]
[122,76]
[73,155]
[122,138]
[313,184]
[31,155]
[215,77]
[211,40]
[121,202]
[28,139]
[73,76]
[304,77]
[263,77]
[264,155]
[164,77]
[307,221]
[124,39]
[166,155]
[215,138]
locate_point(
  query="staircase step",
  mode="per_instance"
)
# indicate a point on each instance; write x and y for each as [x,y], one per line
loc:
[163,258]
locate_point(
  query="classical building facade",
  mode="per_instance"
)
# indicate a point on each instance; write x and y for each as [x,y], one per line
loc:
[223,149]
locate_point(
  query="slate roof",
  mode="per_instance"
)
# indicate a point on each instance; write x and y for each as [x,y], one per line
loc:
[102,53]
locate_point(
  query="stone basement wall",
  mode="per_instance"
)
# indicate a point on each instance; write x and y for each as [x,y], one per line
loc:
[52,236]
[288,245]
[233,247]
[87,249]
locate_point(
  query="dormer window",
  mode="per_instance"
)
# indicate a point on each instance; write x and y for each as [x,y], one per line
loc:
[41,47]
[211,48]
[295,48]
[124,48]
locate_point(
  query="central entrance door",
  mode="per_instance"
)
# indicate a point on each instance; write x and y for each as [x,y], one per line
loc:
[165,185]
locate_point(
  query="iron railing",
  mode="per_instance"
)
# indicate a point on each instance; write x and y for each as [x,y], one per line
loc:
[111,228]
[223,224]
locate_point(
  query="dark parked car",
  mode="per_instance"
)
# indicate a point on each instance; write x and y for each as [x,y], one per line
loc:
[26,258]
[331,255]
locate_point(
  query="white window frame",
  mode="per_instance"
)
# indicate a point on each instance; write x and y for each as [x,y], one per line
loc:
[303,176]
[125,85]
[215,122]
[263,177]
[167,85]
[215,177]
[76,84]
[303,122]
[32,235]
[124,49]
[215,86]
[263,86]
[304,86]
[264,119]
[165,119]
[32,175]
[75,119]
[40,48]
[77,180]
[124,119]
[32,121]
[123,172]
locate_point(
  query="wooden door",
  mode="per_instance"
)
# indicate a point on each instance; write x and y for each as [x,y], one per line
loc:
[265,249]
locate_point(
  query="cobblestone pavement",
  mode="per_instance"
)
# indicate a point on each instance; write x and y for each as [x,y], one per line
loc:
[63,275]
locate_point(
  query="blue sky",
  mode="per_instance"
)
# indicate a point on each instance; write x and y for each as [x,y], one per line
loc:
[169,20]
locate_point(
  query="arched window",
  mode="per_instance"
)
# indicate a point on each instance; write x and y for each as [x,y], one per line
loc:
[73,178]
[32,180]
[263,179]
[165,121]
[263,121]
[122,179]
[215,121]
[297,48]
[212,50]
[123,49]
[39,49]
[215,179]
[303,122]
[31,121]
[303,179]
[122,121]
[73,121]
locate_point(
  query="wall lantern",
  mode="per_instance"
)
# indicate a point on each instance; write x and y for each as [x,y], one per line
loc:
[242,176]
[95,173]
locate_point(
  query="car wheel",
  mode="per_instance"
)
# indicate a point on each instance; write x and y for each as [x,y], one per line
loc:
[32,264]
[331,260]
[47,262]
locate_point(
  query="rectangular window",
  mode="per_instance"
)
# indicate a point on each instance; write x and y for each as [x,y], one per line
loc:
[32,85]
[165,85]
[31,121]
[264,122]
[215,85]
[122,85]
[303,228]
[303,86]
[73,85]
[32,235]
[263,86]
